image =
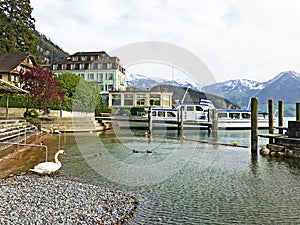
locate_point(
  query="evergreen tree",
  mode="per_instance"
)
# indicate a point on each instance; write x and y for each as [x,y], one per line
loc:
[17,27]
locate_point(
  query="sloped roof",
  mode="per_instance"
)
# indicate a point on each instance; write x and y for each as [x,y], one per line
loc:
[9,61]
[6,87]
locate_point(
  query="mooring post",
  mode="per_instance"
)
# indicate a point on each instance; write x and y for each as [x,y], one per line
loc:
[280,116]
[150,120]
[214,117]
[254,126]
[298,111]
[271,119]
[180,122]
[209,126]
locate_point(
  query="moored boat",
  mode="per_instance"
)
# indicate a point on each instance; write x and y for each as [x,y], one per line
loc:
[194,116]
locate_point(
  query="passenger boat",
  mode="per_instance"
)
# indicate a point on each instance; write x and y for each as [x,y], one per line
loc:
[240,119]
[194,116]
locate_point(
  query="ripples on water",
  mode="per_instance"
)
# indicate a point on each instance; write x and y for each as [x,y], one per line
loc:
[214,184]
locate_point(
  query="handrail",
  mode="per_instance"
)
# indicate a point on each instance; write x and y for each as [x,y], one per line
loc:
[31,145]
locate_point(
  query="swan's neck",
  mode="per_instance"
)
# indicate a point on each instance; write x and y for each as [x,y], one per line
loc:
[56,159]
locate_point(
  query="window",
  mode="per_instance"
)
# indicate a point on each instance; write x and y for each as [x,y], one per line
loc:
[99,66]
[171,114]
[91,76]
[109,66]
[128,99]
[63,66]
[190,108]
[198,108]
[116,99]
[74,58]
[54,66]
[161,114]
[72,66]
[92,58]
[109,76]
[222,115]
[83,58]
[140,99]
[155,99]
[246,115]
[234,115]
[82,75]
[100,77]
[81,66]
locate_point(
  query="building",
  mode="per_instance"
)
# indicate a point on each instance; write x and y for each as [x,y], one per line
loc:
[11,65]
[142,99]
[107,71]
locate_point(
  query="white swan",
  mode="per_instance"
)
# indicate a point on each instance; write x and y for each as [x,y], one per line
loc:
[48,167]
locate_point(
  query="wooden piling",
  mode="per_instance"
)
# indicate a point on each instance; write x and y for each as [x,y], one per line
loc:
[254,125]
[271,118]
[150,120]
[214,121]
[180,122]
[298,111]
[280,116]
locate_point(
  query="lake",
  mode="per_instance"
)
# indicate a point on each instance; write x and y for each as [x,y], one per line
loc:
[185,181]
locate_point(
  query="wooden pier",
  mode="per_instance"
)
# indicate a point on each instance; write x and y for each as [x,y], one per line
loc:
[286,142]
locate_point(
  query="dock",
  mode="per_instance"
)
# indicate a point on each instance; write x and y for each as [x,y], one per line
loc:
[285,143]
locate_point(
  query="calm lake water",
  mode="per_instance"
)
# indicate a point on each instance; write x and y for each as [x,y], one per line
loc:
[187,182]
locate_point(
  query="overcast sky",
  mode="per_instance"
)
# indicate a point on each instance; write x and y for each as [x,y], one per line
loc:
[252,39]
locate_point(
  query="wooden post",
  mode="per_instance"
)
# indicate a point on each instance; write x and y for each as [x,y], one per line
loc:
[180,122]
[298,111]
[280,116]
[209,126]
[214,117]
[254,126]
[271,119]
[150,120]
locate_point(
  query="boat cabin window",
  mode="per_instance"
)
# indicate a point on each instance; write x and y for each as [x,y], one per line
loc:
[234,115]
[171,114]
[222,115]
[246,115]
[190,108]
[161,114]
[198,108]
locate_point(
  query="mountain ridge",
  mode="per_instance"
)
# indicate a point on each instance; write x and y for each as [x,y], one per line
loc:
[284,86]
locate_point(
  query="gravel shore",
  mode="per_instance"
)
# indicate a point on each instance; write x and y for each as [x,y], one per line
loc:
[31,199]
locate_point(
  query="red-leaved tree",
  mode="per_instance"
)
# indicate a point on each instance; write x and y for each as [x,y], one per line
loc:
[44,90]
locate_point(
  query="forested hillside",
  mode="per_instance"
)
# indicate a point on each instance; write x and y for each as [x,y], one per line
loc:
[48,52]
[18,34]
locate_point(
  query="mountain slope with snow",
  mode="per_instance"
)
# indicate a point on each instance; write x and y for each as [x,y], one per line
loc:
[143,82]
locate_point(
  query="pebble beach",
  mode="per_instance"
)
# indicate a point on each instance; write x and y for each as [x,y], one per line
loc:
[31,199]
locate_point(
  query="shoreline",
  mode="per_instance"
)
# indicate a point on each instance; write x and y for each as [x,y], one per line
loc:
[52,200]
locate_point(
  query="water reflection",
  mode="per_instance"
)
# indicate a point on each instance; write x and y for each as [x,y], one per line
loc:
[215,185]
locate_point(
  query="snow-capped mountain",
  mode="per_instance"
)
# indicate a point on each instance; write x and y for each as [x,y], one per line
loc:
[284,86]
[143,82]
[241,85]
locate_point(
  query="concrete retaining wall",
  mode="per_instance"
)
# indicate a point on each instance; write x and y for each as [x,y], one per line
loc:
[18,112]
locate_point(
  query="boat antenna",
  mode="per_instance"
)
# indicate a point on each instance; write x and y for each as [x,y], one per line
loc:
[186,91]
